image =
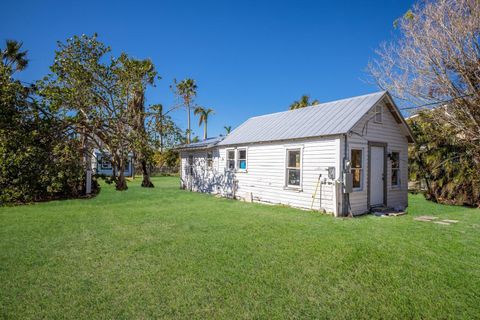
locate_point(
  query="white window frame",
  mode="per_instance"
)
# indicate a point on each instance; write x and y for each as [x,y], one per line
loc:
[378,112]
[227,160]
[362,167]
[292,186]
[209,159]
[237,159]
[399,182]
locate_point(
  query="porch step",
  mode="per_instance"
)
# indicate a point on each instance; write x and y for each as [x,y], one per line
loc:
[386,211]
[382,209]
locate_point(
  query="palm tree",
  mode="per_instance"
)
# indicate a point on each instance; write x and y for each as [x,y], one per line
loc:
[187,90]
[303,102]
[11,56]
[203,118]
[228,129]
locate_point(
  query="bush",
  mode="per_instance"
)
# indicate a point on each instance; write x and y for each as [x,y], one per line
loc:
[39,159]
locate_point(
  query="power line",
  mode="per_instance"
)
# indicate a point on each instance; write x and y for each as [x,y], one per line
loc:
[434,103]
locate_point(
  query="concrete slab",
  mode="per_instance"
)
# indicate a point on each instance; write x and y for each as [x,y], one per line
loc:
[450,221]
[441,222]
[425,218]
[429,217]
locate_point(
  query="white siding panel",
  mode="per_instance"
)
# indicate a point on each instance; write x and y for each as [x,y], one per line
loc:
[391,133]
[265,178]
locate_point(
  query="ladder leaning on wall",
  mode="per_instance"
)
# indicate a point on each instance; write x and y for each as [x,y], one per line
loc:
[317,188]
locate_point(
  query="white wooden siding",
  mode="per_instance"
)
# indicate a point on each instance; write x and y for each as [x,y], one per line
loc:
[265,177]
[393,134]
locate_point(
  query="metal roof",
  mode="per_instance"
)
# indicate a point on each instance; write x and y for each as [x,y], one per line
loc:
[329,118]
[207,143]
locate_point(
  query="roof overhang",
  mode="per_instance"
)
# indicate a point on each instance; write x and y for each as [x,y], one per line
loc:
[202,145]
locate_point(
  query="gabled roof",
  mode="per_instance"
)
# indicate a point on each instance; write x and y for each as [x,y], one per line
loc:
[336,117]
[204,144]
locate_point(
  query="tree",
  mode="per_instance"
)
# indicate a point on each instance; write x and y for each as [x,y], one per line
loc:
[169,134]
[187,91]
[303,102]
[228,129]
[435,57]
[95,92]
[136,75]
[39,153]
[203,118]
[443,162]
[12,57]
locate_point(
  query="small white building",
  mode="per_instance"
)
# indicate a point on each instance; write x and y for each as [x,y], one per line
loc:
[101,164]
[342,157]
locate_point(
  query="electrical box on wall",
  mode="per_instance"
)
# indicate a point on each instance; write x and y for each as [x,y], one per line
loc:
[348,182]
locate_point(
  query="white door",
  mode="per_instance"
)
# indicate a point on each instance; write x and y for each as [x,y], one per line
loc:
[376,175]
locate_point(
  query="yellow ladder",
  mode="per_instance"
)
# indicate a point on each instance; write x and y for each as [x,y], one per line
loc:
[316,190]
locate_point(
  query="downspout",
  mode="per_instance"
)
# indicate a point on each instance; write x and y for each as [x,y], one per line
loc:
[346,196]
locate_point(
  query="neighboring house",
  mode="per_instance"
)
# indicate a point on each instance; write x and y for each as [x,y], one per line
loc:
[101,164]
[299,157]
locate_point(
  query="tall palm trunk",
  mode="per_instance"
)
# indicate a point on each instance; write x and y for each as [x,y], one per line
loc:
[188,124]
[205,130]
[139,123]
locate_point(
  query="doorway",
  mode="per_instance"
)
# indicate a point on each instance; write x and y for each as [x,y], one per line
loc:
[377,173]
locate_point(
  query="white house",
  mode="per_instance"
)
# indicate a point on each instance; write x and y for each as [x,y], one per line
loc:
[342,157]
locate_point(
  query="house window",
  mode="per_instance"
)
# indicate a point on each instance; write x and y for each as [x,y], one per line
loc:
[294,167]
[230,159]
[378,113]
[209,160]
[242,159]
[395,168]
[357,168]
[106,164]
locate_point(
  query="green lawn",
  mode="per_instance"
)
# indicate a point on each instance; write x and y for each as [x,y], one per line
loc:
[168,253]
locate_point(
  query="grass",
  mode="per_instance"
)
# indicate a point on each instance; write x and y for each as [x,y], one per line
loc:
[167,253]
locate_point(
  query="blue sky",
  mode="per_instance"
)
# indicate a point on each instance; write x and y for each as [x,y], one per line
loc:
[248,57]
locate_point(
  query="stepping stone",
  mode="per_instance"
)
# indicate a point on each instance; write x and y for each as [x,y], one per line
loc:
[425,218]
[428,217]
[441,222]
[450,221]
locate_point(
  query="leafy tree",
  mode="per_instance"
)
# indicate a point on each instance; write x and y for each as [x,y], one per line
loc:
[440,159]
[95,90]
[303,102]
[187,91]
[228,129]
[203,118]
[12,57]
[39,153]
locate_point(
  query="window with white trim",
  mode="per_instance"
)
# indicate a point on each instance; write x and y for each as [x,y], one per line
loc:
[293,169]
[242,159]
[209,159]
[395,157]
[378,113]
[356,158]
[231,159]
